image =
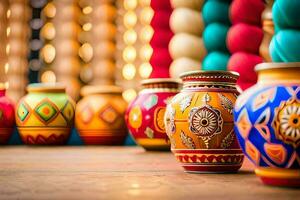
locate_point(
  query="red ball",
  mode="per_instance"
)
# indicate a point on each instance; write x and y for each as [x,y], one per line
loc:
[161,38]
[160,20]
[244,37]
[162,72]
[244,64]
[160,62]
[247,11]
[161,5]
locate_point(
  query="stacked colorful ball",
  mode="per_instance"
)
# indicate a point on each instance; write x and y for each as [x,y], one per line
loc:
[162,34]
[186,47]
[244,39]
[216,18]
[284,45]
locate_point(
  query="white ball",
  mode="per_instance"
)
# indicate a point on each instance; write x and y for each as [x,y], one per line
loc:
[187,45]
[182,65]
[186,20]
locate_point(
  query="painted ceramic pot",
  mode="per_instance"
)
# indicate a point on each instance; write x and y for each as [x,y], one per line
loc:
[144,116]
[267,123]
[199,123]
[99,115]
[7,116]
[45,115]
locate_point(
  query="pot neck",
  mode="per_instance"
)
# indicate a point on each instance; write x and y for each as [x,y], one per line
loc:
[278,73]
[213,79]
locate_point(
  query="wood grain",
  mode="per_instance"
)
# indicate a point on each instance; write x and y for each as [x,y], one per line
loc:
[119,173]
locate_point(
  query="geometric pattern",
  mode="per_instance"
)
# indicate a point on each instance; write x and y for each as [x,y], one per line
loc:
[210,158]
[135,117]
[159,119]
[243,124]
[267,124]
[46,111]
[68,112]
[108,114]
[263,98]
[276,152]
[149,132]
[261,124]
[86,114]
[150,102]
[253,152]
[23,112]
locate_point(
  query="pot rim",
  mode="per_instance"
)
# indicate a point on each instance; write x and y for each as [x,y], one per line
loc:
[100,89]
[202,72]
[273,65]
[46,87]
[161,80]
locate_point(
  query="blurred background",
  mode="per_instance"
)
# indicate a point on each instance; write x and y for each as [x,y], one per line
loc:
[76,42]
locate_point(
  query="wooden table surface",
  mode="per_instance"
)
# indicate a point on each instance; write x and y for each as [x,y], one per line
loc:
[119,173]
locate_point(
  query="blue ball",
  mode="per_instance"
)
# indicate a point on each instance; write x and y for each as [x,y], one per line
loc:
[286,13]
[215,61]
[285,46]
[216,11]
[214,37]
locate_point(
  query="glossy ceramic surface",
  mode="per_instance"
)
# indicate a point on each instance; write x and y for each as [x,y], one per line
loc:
[45,115]
[7,117]
[144,116]
[99,115]
[199,123]
[267,123]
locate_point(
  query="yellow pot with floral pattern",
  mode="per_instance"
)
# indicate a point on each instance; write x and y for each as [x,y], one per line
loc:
[199,122]
[45,115]
[100,114]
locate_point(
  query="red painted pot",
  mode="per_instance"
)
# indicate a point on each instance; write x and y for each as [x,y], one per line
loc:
[7,116]
[144,116]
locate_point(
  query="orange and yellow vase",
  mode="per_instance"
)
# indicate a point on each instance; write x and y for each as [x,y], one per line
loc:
[267,123]
[145,115]
[199,123]
[99,116]
[45,115]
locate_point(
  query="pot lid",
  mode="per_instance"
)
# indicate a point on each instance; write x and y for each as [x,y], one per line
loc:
[46,87]
[279,65]
[100,89]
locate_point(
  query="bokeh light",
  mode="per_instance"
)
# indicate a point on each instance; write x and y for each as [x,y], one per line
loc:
[130,19]
[146,34]
[146,15]
[87,10]
[146,52]
[145,70]
[130,4]
[129,71]
[48,77]
[129,54]
[129,95]
[50,10]
[86,52]
[130,37]
[48,31]
[48,53]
